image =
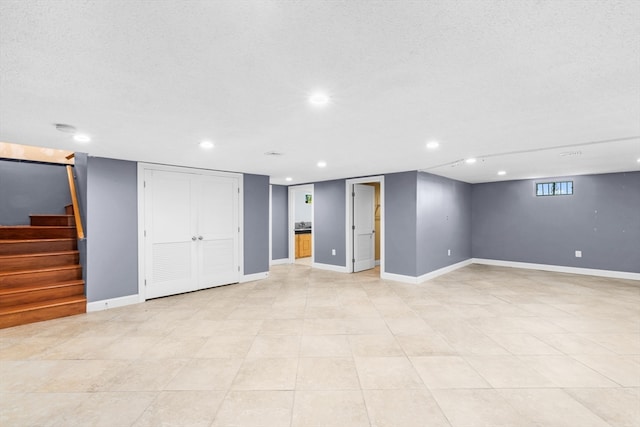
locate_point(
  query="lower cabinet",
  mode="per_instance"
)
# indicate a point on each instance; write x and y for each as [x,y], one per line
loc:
[303,245]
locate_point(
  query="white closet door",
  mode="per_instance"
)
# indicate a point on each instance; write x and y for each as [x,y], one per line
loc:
[170,228]
[364,227]
[218,232]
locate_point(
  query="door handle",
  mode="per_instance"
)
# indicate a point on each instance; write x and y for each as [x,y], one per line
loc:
[199,237]
[193,238]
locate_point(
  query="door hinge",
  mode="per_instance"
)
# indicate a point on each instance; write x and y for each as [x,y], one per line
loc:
[353,194]
[238,190]
[145,233]
[144,184]
[353,260]
[238,229]
[145,282]
[353,227]
[238,268]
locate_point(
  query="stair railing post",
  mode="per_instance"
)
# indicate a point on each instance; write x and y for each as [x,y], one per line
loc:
[74,201]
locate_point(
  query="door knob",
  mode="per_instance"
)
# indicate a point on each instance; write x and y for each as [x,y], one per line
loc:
[199,237]
[193,238]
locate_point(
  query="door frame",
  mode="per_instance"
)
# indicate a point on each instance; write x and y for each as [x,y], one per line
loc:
[292,220]
[349,220]
[142,169]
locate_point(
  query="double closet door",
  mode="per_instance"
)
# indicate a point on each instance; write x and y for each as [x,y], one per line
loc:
[191,232]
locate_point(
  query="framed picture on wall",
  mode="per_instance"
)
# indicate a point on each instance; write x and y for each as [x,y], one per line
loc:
[307,199]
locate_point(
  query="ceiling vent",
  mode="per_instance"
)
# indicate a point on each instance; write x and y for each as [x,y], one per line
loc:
[571,153]
[65,128]
[273,153]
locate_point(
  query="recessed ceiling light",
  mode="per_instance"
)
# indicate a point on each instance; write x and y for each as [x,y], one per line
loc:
[638,159]
[433,145]
[322,164]
[502,173]
[470,161]
[288,178]
[319,99]
[207,145]
[81,137]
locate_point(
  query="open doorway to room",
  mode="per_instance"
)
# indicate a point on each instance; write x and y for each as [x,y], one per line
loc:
[365,224]
[301,224]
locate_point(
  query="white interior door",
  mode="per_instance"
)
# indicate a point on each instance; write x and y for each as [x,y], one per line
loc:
[218,232]
[192,234]
[363,227]
[170,216]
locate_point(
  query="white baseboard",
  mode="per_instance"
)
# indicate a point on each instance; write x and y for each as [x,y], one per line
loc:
[254,277]
[559,269]
[399,278]
[106,304]
[280,261]
[330,267]
[427,276]
[444,270]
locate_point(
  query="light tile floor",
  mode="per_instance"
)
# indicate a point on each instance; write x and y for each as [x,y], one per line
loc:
[481,346]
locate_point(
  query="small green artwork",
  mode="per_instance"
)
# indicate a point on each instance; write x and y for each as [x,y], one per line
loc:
[307,199]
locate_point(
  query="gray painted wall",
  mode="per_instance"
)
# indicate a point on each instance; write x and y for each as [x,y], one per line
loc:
[303,210]
[112,229]
[256,223]
[601,218]
[400,198]
[329,222]
[31,188]
[443,222]
[279,222]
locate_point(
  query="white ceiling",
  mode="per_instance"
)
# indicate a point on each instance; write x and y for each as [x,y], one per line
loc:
[148,80]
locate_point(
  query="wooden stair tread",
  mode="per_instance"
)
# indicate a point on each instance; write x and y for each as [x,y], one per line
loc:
[13,241]
[42,304]
[39,254]
[36,227]
[51,216]
[30,288]
[41,270]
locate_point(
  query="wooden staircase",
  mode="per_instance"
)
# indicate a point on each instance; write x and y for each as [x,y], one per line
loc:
[40,274]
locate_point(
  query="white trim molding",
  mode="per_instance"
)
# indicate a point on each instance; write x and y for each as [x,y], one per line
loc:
[106,304]
[330,267]
[254,277]
[280,261]
[559,269]
[291,232]
[427,276]
[349,220]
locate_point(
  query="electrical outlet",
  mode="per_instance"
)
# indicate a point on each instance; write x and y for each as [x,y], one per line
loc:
[578,254]
[333,252]
[448,252]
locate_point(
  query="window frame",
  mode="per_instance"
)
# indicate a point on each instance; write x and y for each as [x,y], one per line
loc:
[554,188]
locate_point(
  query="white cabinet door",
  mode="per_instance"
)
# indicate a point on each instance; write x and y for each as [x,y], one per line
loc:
[192,235]
[218,232]
[169,227]
[364,227]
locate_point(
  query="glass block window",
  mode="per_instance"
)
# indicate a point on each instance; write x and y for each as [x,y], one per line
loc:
[559,188]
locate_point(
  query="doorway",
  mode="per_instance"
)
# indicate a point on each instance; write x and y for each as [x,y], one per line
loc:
[189,229]
[365,224]
[301,230]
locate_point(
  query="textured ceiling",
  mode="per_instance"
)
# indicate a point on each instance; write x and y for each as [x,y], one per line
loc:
[505,81]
